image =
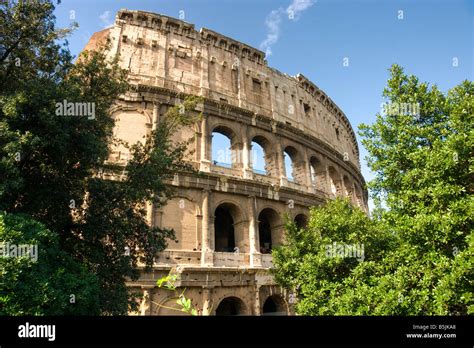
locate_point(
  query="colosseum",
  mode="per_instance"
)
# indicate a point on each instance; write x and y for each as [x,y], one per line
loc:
[228,216]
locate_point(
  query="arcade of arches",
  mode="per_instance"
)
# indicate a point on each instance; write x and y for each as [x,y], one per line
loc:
[261,157]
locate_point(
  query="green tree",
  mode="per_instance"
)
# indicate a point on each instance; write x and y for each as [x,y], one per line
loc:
[49,163]
[419,247]
[51,282]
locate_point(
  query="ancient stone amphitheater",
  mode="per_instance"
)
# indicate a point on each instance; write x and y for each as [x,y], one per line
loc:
[227,218]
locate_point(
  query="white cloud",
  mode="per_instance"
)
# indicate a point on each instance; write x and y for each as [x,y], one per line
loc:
[272,22]
[274,18]
[105,19]
[297,6]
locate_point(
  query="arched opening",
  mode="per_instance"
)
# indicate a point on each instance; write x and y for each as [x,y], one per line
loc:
[231,306]
[294,166]
[335,182]
[313,175]
[289,167]
[221,150]
[318,175]
[269,230]
[225,151]
[301,221]
[348,189]
[265,235]
[224,233]
[257,158]
[230,229]
[358,196]
[262,160]
[274,305]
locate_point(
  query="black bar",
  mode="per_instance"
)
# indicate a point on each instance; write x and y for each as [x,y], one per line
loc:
[241,330]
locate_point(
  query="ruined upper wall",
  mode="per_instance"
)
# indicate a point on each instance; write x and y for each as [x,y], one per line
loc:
[166,52]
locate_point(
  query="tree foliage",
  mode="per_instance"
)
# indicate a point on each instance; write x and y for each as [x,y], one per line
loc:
[50,163]
[419,242]
[53,284]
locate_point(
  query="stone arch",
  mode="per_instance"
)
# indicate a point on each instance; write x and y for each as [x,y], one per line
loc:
[298,174]
[274,305]
[231,305]
[335,182]
[181,215]
[229,227]
[223,157]
[348,188]
[270,230]
[358,196]
[268,157]
[318,173]
[301,220]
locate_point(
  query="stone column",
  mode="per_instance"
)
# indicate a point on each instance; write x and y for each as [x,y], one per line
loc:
[150,216]
[257,309]
[206,251]
[328,182]
[309,181]
[159,218]
[354,194]
[156,116]
[255,256]
[205,165]
[162,59]
[273,101]
[247,174]
[281,165]
[150,207]
[204,81]
[207,302]
[343,187]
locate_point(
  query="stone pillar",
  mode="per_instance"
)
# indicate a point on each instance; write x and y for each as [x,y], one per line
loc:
[248,173]
[205,165]
[354,194]
[281,165]
[158,220]
[162,59]
[328,182]
[206,251]
[204,81]
[150,216]
[343,187]
[307,168]
[150,207]
[255,256]
[207,302]
[156,116]
[257,309]
[273,100]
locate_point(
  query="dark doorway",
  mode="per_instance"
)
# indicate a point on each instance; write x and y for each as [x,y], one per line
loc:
[301,221]
[265,234]
[269,306]
[230,306]
[274,305]
[224,230]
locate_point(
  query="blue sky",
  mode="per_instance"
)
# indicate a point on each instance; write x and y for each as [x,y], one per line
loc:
[426,38]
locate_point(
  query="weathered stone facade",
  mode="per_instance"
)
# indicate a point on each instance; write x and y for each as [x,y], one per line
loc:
[227,219]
